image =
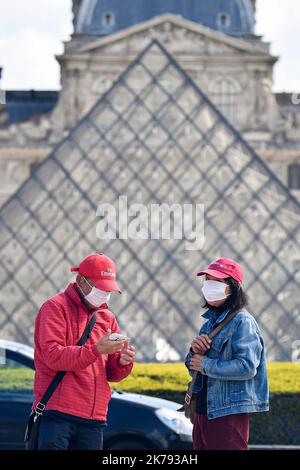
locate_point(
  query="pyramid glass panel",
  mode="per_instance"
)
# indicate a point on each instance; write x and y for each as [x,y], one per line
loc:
[156,140]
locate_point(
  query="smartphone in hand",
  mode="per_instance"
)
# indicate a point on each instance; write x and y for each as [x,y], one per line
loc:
[117,337]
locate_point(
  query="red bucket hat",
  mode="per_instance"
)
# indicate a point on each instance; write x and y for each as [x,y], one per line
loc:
[224,267]
[101,270]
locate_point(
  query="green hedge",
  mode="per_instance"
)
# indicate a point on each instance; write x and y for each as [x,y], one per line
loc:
[279,426]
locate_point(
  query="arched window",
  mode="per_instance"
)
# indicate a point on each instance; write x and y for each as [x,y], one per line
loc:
[294,176]
[223,20]
[108,19]
[225,95]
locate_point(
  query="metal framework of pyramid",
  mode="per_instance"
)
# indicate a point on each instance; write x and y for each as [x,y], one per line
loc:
[155,138]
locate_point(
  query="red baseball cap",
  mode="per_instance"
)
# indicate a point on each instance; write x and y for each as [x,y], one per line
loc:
[224,267]
[101,270]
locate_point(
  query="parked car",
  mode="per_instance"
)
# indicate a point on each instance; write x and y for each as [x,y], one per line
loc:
[136,422]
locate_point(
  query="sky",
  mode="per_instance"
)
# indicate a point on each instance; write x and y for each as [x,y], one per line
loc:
[32,33]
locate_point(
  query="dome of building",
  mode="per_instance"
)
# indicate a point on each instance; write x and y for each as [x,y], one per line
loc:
[103,17]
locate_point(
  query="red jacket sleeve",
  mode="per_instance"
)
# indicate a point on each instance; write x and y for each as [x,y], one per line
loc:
[114,370]
[52,341]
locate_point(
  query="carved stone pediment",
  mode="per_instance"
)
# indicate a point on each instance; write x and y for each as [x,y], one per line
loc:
[176,39]
[177,34]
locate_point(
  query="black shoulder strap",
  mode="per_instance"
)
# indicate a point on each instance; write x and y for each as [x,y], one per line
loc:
[60,375]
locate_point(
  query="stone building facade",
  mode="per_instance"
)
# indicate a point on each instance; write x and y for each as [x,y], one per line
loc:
[235,69]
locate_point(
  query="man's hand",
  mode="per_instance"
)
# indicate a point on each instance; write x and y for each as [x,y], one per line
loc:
[127,354]
[200,344]
[105,346]
[195,362]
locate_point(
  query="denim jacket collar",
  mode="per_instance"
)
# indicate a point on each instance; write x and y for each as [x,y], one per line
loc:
[211,315]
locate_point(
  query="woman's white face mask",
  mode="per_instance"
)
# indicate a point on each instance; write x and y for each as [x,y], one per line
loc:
[97,296]
[214,290]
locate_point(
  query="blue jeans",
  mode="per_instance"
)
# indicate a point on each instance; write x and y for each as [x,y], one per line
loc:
[59,433]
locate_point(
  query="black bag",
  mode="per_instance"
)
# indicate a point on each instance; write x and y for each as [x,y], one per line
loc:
[34,420]
[189,406]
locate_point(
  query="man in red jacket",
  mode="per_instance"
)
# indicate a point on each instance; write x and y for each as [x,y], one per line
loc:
[76,413]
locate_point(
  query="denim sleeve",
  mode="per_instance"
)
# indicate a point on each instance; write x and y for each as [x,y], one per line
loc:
[246,352]
[189,355]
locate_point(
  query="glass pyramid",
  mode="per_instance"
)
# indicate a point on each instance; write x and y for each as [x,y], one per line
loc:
[155,138]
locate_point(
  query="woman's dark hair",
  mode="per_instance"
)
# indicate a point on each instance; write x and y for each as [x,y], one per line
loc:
[236,300]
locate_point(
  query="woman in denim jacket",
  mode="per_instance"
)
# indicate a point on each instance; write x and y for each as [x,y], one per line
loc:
[233,377]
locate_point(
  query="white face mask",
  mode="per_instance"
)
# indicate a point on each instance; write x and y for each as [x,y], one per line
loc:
[96,297]
[214,290]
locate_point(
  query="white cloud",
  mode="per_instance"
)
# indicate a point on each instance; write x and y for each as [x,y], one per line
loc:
[29,60]
[32,32]
[278,22]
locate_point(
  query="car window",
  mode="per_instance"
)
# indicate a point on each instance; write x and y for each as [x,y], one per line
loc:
[14,375]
